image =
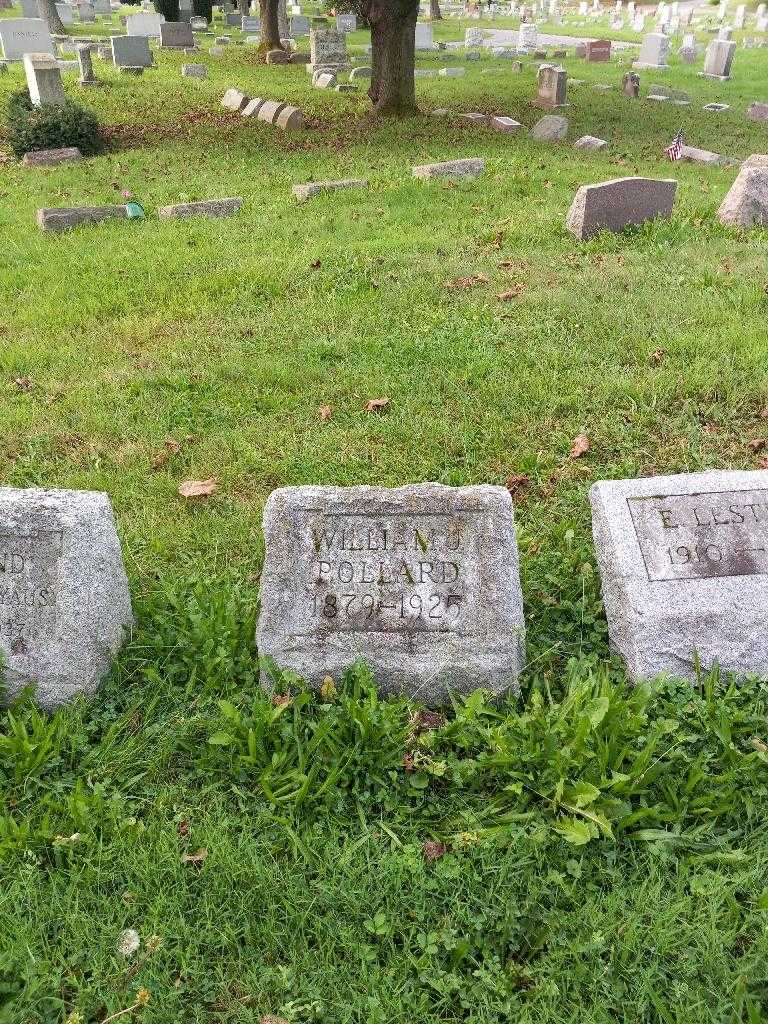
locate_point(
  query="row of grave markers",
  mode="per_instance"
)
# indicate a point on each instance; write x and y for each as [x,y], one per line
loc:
[422,582]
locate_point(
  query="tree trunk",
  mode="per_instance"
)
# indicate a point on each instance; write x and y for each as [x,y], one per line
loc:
[47,11]
[435,14]
[393,42]
[270,28]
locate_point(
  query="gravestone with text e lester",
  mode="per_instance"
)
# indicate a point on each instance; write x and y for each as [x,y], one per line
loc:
[684,568]
[421,582]
[64,599]
[24,35]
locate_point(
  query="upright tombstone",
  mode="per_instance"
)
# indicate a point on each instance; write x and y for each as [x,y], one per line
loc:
[85,61]
[24,35]
[144,23]
[717,63]
[131,52]
[65,13]
[654,52]
[598,50]
[527,38]
[43,79]
[249,23]
[424,36]
[619,203]
[63,592]
[346,22]
[684,567]
[300,26]
[176,35]
[328,48]
[630,85]
[29,9]
[551,93]
[421,582]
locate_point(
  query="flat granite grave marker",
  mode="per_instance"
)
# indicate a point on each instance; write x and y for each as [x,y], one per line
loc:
[24,35]
[684,568]
[613,205]
[64,599]
[421,582]
[51,157]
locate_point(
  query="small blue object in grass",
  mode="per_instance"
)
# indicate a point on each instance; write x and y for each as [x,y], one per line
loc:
[135,211]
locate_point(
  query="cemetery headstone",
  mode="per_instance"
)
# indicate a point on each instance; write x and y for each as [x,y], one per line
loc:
[66,604]
[746,203]
[683,566]
[346,22]
[131,52]
[328,48]
[24,35]
[456,170]
[194,70]
[43,79]
[613,205]
[85,61]
[527,38]
[598,50]
[630,85]
[144,24]
[717,63]
[203,208]
[551,128]
[51,157]
[422,582]
[551,87]
[176,35]
[654,52]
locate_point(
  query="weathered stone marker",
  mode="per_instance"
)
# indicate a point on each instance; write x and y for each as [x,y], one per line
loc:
[43,79]
[654,52]
[422,582]
[746,202]
[64,599]
[551,94]
[615,204]
[684,568]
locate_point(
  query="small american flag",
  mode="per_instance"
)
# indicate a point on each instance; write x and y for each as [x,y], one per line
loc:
[675,151]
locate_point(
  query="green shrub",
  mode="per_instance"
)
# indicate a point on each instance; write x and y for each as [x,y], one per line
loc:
[169,8]
[51,126]
[203,9]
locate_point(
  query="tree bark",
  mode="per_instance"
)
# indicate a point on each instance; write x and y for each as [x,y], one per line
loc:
[270,27]
[435,14]
[393,42]
[47,11]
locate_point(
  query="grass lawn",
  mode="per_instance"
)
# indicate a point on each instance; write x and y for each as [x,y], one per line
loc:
[592,855]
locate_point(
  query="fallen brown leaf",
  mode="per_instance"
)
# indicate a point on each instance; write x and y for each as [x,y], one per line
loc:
[580,446]
[657,356]
[315,265]
[161,459]
[376,404]
[325,412]
[433,850]
[270,1018]
[763,463]
[461,283]
[23,383]
[756,444]
[194,858]
[511,293]
[183,829]
[517,483]
[764,413]
[198,488]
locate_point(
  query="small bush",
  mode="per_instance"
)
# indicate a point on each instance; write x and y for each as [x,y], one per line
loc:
[169,8]
[51,127]
[203,9]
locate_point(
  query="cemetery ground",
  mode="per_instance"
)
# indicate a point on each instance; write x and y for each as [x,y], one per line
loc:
[584,853]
